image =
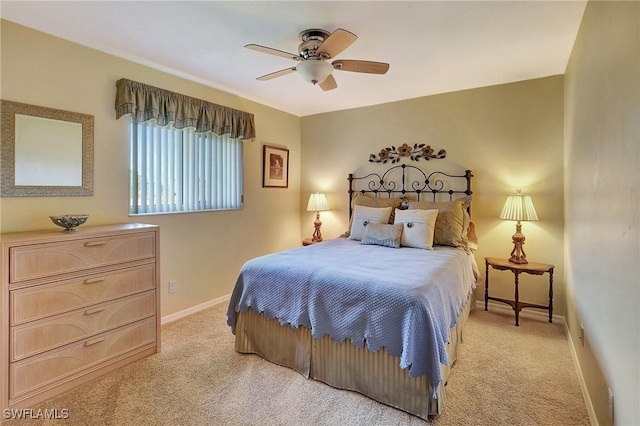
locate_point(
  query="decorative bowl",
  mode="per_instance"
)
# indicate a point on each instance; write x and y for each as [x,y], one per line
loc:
[69,221]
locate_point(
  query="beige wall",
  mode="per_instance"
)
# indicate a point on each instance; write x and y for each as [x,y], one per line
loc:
[203,252]
[510,136]
[602,205]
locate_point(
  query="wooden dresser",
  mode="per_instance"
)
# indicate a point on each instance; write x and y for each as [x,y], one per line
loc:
[75,305]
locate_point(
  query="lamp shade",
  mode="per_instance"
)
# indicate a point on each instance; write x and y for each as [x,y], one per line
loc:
[518,207]
[317,203]
[314,71]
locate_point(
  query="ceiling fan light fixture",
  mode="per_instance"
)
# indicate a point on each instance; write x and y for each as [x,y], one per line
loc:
[314,70]
[318,47]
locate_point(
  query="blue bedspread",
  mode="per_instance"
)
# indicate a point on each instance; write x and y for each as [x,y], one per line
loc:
[405,300]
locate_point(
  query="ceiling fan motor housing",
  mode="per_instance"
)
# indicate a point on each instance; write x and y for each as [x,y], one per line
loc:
[311,41]
[314,33]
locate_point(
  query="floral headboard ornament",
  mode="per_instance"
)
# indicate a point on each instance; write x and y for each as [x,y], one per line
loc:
[416,152]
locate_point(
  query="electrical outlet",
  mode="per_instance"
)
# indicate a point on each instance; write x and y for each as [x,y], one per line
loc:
[611,417]
[173,286]
[581,334]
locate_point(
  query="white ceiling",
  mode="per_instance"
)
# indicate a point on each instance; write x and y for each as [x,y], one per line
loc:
[432,46]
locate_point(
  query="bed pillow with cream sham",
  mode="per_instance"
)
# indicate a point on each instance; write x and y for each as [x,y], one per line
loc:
[363,215]
[451,224]
[360,199]
[382,234]
[418,227]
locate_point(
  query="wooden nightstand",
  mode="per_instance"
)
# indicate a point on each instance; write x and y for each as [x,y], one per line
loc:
[517,269]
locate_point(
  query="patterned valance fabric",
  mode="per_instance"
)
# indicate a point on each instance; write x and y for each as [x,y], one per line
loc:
[146,102]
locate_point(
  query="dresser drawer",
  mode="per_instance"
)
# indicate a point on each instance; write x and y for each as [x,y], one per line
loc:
[39,336]
[45,260]
[42,370]
[30,303]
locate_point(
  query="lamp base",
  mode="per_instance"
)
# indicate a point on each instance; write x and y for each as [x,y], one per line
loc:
[517,254]
[518,260]
[317,235]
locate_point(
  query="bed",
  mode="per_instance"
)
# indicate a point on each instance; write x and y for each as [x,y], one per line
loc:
[380,310]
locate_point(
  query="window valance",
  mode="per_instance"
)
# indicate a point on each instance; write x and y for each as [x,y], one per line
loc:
[146,102]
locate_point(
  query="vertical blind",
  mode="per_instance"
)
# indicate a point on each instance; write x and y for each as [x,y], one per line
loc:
[178,170]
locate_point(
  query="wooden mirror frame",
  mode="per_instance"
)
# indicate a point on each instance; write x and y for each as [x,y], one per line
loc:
[8,187]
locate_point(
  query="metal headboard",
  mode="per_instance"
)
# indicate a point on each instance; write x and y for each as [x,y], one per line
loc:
[401,185]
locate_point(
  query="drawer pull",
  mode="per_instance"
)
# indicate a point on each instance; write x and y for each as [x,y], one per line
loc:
[94,341]
[93,280]
[94,243]
[93,311]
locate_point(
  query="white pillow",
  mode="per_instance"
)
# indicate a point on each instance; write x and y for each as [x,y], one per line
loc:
[419,226]
[363,215]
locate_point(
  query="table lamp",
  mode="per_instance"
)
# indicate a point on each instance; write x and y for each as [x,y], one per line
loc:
[317,203]
[518,207]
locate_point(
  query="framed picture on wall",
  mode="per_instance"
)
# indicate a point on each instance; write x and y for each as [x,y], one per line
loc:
[275,167]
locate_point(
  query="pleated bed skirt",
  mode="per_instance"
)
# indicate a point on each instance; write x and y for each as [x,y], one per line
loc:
[346,366]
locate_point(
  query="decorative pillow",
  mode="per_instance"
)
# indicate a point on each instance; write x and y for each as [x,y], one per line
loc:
[360,199]
[382,234]
[452,223]
[362,216]
[418,227]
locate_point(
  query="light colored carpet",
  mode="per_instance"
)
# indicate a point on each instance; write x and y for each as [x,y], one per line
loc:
[505,375]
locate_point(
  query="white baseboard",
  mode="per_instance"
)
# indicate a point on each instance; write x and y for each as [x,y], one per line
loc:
[583,384]
[192,310]
[536,314]
[540,315]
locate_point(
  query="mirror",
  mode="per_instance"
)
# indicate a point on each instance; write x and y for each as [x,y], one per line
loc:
[45,152]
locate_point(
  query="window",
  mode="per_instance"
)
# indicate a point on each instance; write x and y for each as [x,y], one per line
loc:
[185,153]
[179,170]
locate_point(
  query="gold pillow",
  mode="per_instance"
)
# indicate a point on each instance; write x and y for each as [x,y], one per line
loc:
[451,224]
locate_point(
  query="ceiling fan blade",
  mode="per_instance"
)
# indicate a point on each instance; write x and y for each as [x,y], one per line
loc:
[272,51]
[276,74]
[360,66]
[338,41]
[328,84]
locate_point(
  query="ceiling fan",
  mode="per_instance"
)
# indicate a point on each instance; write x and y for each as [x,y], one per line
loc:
[317,47]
